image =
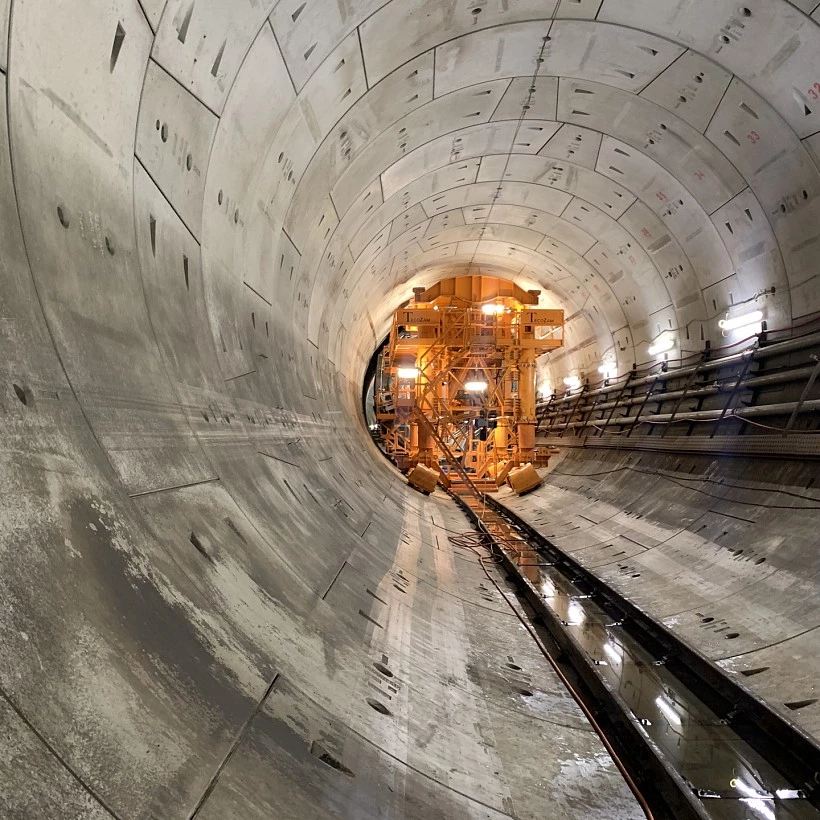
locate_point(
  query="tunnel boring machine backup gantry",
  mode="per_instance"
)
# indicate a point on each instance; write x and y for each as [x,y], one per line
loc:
[458,373]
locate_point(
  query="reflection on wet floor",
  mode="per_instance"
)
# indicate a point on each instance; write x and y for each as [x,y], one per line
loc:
[731,778]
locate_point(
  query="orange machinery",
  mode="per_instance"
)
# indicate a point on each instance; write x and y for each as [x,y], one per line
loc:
[463,354]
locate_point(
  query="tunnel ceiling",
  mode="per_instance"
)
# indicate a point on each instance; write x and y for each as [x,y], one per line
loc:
[647,163]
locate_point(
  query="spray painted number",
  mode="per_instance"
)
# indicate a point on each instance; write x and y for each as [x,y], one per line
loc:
[814,91]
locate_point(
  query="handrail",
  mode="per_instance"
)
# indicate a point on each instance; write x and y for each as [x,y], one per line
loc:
[782,409]
[765,351]
[711,389]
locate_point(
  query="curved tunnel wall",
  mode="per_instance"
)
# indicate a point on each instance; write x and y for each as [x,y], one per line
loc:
[210,210]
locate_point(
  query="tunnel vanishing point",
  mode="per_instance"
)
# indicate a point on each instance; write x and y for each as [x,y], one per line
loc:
[218,600]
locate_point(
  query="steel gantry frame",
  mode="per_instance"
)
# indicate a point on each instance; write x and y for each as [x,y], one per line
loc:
[462,357]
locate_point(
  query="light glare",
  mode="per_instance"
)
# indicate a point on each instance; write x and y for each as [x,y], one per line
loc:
[753,318]
[612,652]
[760,807]
[576,614]
[669,713]
[408,372]
[475,387]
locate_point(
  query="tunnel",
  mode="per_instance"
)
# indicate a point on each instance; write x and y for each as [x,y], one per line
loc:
[218,599]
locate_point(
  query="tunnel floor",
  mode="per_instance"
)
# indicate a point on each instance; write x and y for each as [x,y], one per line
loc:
[491,733]
[458,716]
[464,717]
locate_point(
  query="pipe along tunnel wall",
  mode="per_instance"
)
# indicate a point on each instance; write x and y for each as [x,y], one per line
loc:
[208,212]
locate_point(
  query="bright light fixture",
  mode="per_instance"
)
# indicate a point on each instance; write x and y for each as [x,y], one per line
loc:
[664,342]
[753,318]
[490,309]
[475,387]
[572,382]
[408,372]
[545,389]
[608,369]
[669,713]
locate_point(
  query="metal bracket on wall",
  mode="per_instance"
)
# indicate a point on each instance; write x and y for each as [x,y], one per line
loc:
[748,358]
[804,395]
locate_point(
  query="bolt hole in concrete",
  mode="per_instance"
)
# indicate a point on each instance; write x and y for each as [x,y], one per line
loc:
[380,667]
[220,197]
[189,162]
[163,133]
[199,546]
[378,706]
[750,672]
[109,246]
[400,589]
[119,38]
[319,751]
[730,636]
[525,693]
[63,217]
[514,666]
[20,393]
[800,704]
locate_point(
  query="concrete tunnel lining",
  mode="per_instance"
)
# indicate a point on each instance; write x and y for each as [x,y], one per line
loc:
[208,214]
